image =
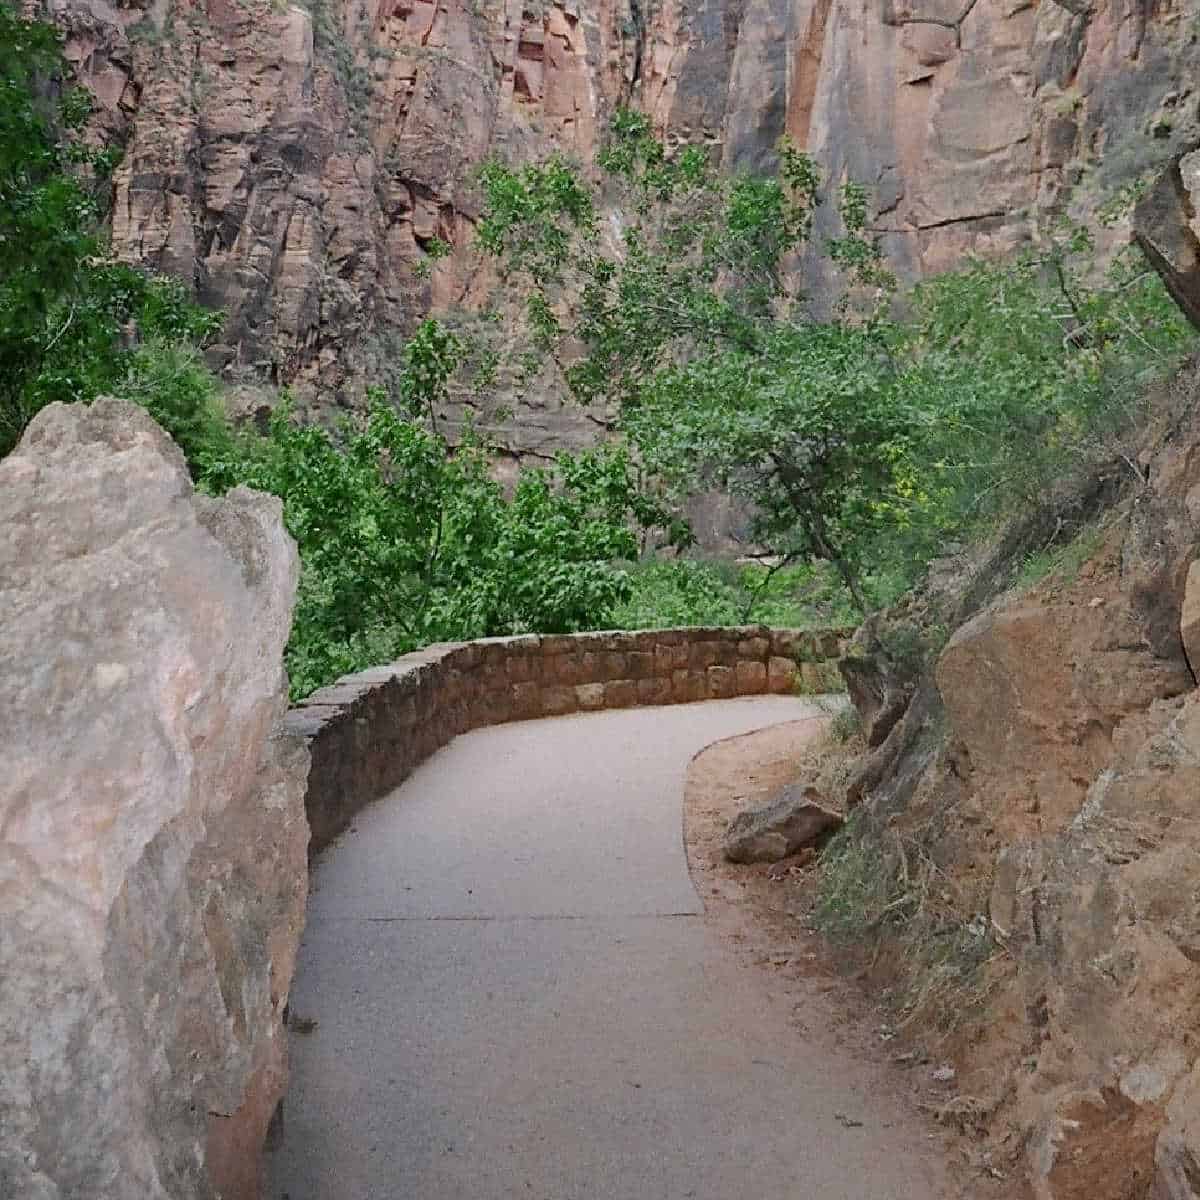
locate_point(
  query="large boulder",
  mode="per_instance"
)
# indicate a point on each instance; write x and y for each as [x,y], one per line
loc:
[792,821]
[152,830]
[1034,694]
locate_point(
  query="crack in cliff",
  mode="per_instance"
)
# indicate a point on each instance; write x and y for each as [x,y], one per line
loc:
[987,216]
[810,53]
[955,25]
[637,21]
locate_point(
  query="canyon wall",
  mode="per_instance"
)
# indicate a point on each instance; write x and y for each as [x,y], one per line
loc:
[294,164]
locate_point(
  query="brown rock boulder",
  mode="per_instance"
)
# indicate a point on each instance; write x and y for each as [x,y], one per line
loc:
[1166,227]
[152,830]
[1034,693]
[791,822]
[1189,620]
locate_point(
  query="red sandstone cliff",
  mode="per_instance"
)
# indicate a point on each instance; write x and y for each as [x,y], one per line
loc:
[293,162]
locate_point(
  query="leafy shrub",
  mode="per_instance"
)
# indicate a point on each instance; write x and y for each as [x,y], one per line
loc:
[171,381]
[678,592]
[69,316]
[672,592]
[405,542]
[1018,372]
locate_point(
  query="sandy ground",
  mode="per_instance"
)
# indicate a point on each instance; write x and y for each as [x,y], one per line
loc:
[761,913]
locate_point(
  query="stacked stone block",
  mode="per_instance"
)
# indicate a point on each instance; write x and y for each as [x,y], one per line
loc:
[367,732]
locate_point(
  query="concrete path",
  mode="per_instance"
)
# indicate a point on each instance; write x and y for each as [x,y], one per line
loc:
[516,995]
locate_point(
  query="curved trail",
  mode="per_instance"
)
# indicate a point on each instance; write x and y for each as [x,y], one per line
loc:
[516,995]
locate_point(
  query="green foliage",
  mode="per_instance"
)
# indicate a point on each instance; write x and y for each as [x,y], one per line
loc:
[531,215]
[692,323]
[672,593]
[404,541]
[1018,372]
[428,360]
[404,545]
[666,593]
[808,428]
[68,316]
[859,439]
[170,380]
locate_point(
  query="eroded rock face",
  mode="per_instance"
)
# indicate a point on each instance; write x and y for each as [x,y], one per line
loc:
[1167,227]
[294,163]
[1035,692]
[1068,794]
[152,830]
[1103,923]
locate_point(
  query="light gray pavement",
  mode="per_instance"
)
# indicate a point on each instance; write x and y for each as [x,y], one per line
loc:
[516,995]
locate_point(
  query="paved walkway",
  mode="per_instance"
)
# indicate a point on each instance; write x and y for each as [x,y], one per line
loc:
[515,996]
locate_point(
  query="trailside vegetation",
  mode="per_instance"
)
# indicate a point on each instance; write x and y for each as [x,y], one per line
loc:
[865,433]
[406,540]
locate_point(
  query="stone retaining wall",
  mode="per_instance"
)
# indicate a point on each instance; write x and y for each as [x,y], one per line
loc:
[367,732]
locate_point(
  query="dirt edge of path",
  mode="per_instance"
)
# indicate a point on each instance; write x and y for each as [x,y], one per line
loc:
[761,913]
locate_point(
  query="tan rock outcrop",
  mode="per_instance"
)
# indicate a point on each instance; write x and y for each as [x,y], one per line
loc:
[152,831]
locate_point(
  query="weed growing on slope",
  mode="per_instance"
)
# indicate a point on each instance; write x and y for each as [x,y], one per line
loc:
[880,887]
[1063,562]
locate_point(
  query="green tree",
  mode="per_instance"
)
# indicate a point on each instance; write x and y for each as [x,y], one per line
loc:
[809,427]
[69,316]
[856,437]
[693,321]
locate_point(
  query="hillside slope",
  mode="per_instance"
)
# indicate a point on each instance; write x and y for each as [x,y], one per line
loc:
[1021,870]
